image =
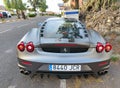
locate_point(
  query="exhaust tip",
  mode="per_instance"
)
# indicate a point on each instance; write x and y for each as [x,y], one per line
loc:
[106,72]
[103,72]
[22,71]
[25,72]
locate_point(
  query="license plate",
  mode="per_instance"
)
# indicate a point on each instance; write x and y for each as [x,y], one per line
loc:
[64,67]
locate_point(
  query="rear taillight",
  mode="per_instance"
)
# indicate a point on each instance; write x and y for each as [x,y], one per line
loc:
[30,47]
[108,47]
[99,47]
[21,46]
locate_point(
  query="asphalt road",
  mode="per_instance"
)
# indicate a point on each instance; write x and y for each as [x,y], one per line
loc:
[10,34]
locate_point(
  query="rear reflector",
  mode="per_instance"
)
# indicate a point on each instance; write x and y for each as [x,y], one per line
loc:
[103,63]
[26,63]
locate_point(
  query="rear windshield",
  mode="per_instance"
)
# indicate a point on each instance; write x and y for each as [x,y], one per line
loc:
[61,28]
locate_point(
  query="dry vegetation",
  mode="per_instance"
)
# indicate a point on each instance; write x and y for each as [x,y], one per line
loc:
[106,21]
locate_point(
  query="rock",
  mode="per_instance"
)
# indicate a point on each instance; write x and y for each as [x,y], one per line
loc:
[117,20]
[116,30]
[117,38]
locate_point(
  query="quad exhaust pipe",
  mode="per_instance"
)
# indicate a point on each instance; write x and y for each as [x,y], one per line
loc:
[103,72]
[25,72]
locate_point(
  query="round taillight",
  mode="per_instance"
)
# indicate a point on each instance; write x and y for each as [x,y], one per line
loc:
[30,47]
[99,47]
[108,47]
[21,46]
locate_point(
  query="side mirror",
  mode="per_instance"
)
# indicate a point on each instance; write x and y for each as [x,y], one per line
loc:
[39,24]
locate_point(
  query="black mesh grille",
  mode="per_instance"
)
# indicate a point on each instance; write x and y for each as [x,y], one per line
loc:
[64,50]
[49,49]
[78,50]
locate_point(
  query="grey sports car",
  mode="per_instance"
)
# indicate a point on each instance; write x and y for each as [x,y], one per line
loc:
[63,47]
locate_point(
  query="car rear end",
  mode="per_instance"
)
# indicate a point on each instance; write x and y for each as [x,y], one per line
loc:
[61,54]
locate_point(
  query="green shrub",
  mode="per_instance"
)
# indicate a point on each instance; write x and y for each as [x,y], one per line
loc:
[3,19]
[58,15]
[114,58]
[13,14]
[31,15]
[114,7]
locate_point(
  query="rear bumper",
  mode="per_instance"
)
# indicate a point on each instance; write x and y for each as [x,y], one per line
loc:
[43,68]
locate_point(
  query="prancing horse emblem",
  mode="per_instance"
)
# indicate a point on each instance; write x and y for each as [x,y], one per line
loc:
[65,50]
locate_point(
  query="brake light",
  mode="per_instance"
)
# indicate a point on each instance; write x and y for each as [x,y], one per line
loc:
[99,47]
[30,47]
[21,46]
[66,45]
[108,47]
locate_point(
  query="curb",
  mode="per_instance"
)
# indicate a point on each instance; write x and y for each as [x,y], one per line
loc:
[14,20]
[7,21]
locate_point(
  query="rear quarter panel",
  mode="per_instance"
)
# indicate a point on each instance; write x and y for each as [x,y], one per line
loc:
[32,35]
[95,37]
